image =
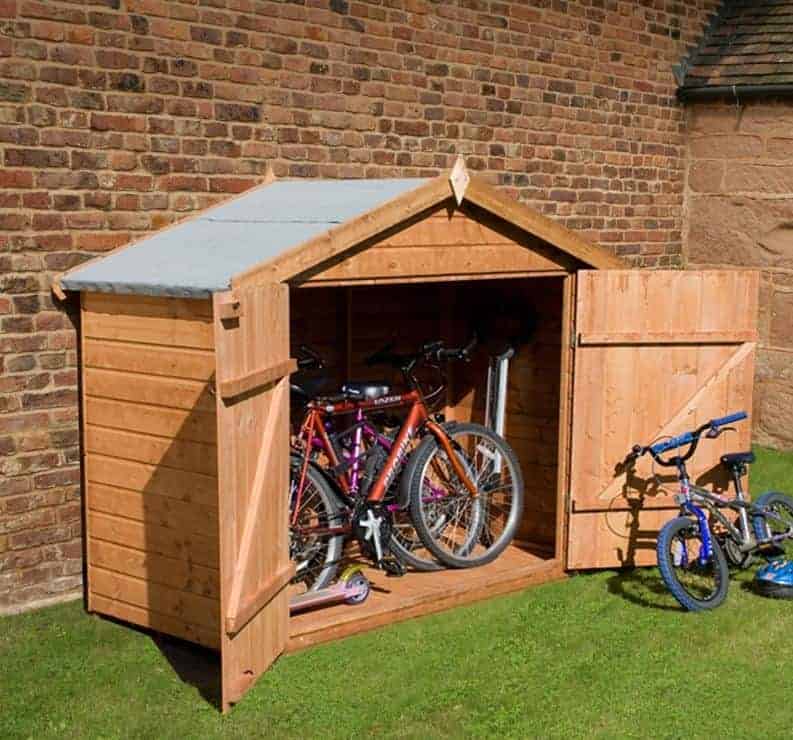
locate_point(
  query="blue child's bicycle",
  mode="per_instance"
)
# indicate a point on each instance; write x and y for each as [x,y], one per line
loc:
[694,548]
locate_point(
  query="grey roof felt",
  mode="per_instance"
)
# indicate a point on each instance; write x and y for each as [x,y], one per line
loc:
[200,256]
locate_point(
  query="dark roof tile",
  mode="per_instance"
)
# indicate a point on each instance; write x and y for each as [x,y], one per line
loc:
[750,43]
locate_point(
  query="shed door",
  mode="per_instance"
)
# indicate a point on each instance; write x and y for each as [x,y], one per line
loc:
[252,355]
[657,353]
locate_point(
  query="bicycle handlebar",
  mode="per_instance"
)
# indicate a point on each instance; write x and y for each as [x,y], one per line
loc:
[429,351]
[687,438]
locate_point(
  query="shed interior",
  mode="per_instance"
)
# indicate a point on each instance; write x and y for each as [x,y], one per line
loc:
[348,324]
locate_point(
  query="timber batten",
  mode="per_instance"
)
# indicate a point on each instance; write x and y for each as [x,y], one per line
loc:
[185,397]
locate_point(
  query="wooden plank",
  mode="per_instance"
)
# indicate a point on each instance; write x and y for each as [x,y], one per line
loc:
[436,261]
[175,573]
[144,306]
[253,604]
[667,337]
[253,513]
[682,416]
[151,538]
[565,415]
[256,379]
[131,327]
[89,605]
[259,339]
[154,621]
[611,539]
[173,362]
[188,607]
[186,425]
[492,200]
[187,517]
[171,453]
[150,389]
[136,476]
[401,280]
[629,390]
[418,594]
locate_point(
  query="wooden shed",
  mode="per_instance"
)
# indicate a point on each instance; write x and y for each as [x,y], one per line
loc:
[185,357]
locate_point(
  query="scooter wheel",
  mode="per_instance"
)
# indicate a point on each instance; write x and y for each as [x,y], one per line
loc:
[358,584]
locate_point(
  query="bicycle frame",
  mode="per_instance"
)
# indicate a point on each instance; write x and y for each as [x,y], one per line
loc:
[710,503]
[314,434]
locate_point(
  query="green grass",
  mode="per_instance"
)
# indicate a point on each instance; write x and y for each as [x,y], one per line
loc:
[602,655]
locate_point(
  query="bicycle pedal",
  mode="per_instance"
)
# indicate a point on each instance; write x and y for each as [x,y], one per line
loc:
[392,567]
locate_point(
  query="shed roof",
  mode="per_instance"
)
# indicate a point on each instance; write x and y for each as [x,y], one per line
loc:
[282,230]
[199,256]
[747,49]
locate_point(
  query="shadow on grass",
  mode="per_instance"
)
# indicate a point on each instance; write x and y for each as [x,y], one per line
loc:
[643,587]
[193,664]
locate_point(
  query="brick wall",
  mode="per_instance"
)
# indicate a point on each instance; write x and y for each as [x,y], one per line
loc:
[119,116]
[739,201]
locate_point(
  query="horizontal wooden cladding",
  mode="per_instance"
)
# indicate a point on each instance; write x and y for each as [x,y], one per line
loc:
[190,425]
[668,302]
[151,479]
[175,543]
[666,337]
[173,322]
[193,457]
[149,389]
[144,305]
[190,608]
[436,261]
[181,575]
[174,362]
[158,622]
[182,516]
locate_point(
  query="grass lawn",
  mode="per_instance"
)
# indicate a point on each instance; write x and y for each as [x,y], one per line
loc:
[603,655]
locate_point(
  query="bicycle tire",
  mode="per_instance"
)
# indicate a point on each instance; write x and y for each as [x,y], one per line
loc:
[468,553]
[374,464]
[331,513]
[769,499]
[673,529]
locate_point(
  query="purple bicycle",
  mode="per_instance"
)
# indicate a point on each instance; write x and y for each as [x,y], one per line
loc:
[345,474]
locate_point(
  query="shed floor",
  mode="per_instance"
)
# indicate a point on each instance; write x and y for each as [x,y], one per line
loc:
[397,599]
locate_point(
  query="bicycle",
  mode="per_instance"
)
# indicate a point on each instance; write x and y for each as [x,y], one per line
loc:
[336,505]
[691,556]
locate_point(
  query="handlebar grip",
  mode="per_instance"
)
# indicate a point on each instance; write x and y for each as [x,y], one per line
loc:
[729,419]
[668,444]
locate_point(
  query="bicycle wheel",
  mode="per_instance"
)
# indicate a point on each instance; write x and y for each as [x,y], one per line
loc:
[461,530]
[316,555]
[780,520]
[405,544]
[696,585]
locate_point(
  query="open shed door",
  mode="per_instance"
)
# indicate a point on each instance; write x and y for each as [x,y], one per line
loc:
[252,356]
[657,353]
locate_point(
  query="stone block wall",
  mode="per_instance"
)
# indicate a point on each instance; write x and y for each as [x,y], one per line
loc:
[739,206]
[119,116]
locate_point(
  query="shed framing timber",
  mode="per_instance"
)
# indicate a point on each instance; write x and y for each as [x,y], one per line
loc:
[185,413]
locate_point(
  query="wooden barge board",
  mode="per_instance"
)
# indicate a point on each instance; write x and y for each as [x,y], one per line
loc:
[417,594]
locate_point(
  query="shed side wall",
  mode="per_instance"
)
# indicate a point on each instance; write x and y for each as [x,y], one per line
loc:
[151,463]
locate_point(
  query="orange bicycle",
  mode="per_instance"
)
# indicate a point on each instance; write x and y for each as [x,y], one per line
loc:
[462,486]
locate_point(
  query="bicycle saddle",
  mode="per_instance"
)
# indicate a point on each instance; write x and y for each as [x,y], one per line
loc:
[736,459]
[366,389]
[306,388]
